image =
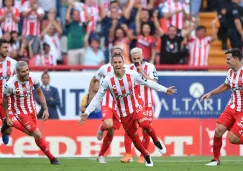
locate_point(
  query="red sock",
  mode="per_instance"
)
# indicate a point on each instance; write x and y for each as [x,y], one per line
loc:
[149,129]
[138,144]
[146,140]
[217,144]
[128,144]
[41,143]
[102,127]
[106,143]
[18,126]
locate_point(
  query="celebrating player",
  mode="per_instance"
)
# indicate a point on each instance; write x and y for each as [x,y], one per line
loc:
[19,89]
[146,70]
[232,117]
[110,120]
[121,85]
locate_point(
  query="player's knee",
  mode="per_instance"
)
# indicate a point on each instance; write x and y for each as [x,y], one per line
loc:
[233,139]
[37,134]
[220,130]
[108,124]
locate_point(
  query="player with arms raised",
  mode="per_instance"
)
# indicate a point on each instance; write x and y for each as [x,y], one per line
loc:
[19,89]
[232,117]
[120,84]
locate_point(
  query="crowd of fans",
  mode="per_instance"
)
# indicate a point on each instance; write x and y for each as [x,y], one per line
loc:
[73,32]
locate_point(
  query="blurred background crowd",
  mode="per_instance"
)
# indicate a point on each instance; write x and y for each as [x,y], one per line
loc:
[80,32]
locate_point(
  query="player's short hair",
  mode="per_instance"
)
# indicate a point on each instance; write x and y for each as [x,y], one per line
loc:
[236,53]
[117,55]
[136,50]
[45,73]
[2,41]
[115,47]
[19,65]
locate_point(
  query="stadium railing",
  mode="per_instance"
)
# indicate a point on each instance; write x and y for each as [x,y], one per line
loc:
[158,67]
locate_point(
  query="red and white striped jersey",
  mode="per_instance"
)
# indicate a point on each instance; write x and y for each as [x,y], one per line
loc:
[21,94]
[235,81]
[7,70]
[123,92]
[9,24]
[31,26]
[177,19]
[199,49]
[144,91]
[99,75]
[43,60]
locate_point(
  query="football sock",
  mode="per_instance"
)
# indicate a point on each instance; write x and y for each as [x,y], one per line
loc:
[217,144]
[106,143]
[41,143]
[128,144]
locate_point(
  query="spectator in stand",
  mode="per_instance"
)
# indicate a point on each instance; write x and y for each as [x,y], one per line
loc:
[172,48]
[62,11]
[25,53]
[45,58]
[176,12]
[9,16]
[52,97]
[93,54]
[12,49]
[97,113]
[200,45]
[75,34]
[106,23]
[33,15]
[234,23]
[145,38]
[118,37]
[15,42]
[51,35]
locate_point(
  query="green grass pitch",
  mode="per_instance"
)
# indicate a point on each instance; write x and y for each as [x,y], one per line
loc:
[113,164]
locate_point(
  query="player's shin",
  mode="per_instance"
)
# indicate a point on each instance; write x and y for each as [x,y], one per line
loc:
[217,144]
[41,143]
[106,142]
[146,140]
[128,144]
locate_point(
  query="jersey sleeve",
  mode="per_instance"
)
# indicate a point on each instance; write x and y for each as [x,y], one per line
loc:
[235,13]
[8,90]
[36,82]
[153,73]
[100,73]
[140,80]
[227,79]
[95,102]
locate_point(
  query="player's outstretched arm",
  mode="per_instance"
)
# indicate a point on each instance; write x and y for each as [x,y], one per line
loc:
[220,89]
[42,100]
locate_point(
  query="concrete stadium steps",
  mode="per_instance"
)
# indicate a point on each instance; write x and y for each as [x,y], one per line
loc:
[216,54]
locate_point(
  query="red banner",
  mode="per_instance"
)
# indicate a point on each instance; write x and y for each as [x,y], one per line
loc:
[228,149]
[65,138]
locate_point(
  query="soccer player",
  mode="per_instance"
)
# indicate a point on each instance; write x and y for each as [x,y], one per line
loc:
[19,89]
[232,117]
[120,84]
[148,69]
[7,66]
[110,120]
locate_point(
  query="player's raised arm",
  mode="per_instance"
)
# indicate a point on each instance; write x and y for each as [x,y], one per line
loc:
[95,102]
[220,89]
[155,86]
